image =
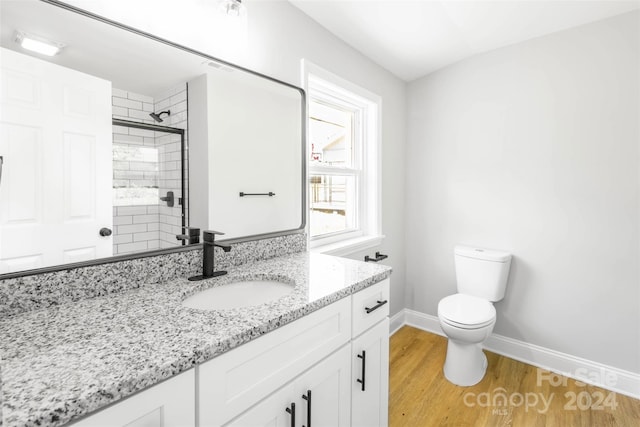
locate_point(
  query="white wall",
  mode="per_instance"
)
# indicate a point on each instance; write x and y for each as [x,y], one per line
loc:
[279,36]
[245,114]
[533,148]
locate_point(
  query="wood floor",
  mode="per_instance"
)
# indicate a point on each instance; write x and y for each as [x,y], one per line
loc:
[511,394]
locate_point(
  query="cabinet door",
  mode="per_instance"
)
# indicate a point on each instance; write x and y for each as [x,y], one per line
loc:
[370,377]
[256,369]
[170,403]
[274,411]
[324,392]
[324,389]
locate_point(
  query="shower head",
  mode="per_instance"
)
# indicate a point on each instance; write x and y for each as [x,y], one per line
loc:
[156,116]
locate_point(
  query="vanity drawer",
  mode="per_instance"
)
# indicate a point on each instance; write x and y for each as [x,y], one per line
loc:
[236,380]
[370,306]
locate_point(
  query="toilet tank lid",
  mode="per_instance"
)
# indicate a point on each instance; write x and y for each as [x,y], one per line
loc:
[482,253]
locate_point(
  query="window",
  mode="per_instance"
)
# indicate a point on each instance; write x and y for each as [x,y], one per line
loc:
[343,149]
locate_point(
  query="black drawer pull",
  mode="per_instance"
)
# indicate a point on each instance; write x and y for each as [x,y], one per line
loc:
[307,397]
[375,307]
[292,411]
[378,257]
[364,361]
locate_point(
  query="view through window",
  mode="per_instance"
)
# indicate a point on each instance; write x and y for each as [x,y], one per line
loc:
[334,168]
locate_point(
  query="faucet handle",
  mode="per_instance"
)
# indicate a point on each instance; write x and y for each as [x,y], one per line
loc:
[209,235]
[191,231]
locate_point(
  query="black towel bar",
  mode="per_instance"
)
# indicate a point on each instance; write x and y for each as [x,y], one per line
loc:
[270,194]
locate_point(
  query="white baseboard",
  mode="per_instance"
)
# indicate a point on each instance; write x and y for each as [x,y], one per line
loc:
[396,322]
[587,371]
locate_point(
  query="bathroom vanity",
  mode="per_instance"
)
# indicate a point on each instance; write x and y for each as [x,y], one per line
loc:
[140,357]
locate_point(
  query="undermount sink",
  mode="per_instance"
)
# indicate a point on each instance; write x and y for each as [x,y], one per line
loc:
[244,293]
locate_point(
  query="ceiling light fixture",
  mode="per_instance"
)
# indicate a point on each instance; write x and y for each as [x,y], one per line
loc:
[233,7]
[38,44]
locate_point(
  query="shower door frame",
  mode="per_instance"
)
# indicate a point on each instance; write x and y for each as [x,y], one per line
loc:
[166,129]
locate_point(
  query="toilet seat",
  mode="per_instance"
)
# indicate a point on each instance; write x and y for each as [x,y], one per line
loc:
[466,311]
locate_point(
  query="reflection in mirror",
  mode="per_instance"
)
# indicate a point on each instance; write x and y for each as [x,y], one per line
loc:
[119,141]
[253,186]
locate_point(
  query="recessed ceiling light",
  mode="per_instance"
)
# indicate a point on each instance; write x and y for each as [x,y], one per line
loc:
[38,44]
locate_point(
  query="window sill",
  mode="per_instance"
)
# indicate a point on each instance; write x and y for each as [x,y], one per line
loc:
[348,246]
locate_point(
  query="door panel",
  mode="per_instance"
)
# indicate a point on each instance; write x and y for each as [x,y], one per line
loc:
[56,188]
[370,406]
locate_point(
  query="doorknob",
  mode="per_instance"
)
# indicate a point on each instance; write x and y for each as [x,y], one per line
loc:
[105,232]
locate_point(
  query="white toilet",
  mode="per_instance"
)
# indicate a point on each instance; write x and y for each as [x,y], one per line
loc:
[467,318]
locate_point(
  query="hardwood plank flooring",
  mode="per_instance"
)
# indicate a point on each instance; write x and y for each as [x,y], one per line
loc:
[512,393]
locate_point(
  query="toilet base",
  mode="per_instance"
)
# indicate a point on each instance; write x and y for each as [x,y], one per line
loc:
[465,364]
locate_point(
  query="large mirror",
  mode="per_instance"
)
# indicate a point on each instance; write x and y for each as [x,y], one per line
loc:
[121,143]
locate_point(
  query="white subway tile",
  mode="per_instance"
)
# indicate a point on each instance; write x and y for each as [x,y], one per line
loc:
[162,105]
[150,235]
[127,103]
[141,132]
[127,138]
[119,165]
[145,219]
[138,113]
[178,98]
[119,93]
[122,220]
[119,111]
[136,228]
[138,97]
[120,129]
[132,247]
[132,210]
[144,166]
[122,238]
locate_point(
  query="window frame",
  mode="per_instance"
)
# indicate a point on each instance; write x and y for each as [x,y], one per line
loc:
[327,87]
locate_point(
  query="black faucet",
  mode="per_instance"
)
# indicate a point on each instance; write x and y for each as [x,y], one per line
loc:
[209,243]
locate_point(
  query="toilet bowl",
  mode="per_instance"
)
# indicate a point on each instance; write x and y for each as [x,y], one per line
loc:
[468,317]
[467,321]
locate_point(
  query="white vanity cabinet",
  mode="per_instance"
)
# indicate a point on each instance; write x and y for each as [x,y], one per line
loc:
[263,382]
[169,403]
[370,357]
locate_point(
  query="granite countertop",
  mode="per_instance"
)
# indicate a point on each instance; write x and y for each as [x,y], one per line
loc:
[61,363]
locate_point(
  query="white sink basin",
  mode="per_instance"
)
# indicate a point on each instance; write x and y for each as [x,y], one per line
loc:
[238,294]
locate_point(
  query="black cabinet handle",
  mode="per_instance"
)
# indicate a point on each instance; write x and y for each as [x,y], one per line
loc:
[292,411]
[378,257]
[307,397]
[375,307]
[364,361]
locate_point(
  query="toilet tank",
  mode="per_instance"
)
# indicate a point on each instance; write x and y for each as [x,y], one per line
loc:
[482,272]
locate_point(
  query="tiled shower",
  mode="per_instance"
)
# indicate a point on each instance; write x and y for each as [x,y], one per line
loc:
[147,165]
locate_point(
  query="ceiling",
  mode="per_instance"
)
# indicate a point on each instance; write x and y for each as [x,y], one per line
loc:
[412,38]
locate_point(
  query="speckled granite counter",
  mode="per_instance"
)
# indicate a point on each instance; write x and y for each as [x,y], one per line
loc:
[61,363]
